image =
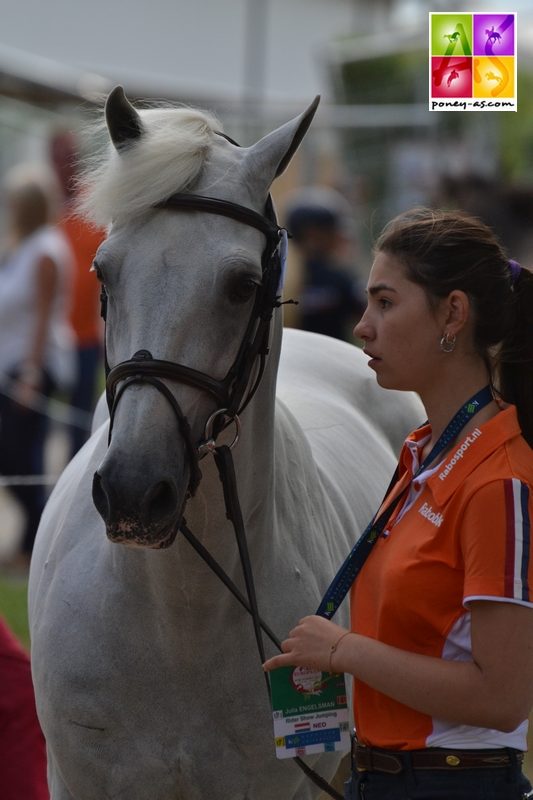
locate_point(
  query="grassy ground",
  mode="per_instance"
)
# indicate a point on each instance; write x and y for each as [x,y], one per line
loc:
[14,609]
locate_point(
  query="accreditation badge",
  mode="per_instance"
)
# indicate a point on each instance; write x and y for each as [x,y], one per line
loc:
[310,712]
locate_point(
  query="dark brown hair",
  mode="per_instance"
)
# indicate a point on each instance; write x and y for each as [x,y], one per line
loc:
[446,250]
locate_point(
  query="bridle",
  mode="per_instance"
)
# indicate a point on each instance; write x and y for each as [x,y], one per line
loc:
[232,393]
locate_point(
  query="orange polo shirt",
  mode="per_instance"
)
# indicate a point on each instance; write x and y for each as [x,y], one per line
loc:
[462,534]
[84,240]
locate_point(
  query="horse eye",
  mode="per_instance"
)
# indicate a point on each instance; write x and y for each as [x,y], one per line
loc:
[241,288]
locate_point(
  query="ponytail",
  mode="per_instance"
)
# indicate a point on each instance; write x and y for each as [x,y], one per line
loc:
[515,358]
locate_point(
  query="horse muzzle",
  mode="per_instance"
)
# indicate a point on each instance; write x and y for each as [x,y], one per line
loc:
[149,519]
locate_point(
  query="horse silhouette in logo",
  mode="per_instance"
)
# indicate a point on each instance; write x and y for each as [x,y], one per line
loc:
[490,76]
[492,36]
[452,37]
[451,77]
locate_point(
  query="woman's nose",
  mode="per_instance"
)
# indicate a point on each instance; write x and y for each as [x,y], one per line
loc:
[360,329]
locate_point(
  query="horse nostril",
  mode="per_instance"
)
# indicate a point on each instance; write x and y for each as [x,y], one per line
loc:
[159,502]
[100,498]
[126,508]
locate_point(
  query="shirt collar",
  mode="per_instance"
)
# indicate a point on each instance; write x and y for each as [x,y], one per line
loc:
[410,455]
[471,449]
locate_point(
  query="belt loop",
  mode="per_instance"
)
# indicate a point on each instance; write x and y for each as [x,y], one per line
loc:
[512,770]
[410,771]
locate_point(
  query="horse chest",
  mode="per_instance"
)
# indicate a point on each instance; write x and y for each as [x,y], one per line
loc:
[161,707]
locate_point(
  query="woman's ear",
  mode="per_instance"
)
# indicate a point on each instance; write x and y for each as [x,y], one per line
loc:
[456,311]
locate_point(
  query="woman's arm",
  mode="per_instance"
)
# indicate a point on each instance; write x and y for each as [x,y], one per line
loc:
[30,374]
[46,289]
[494,690]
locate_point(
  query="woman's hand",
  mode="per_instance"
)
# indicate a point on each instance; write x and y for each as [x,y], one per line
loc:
[26,387]
[310,644]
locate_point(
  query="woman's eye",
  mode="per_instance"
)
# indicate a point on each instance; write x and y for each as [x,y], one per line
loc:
[384,303]
[242,288]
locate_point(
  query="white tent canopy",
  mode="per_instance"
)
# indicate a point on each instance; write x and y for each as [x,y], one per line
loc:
[267,50]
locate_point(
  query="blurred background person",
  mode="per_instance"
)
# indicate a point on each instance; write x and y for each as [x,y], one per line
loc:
[332,297]
[84,314]
[22,747]
[36,343]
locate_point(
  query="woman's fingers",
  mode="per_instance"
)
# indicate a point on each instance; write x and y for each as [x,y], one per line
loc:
[309,644]
[277,661]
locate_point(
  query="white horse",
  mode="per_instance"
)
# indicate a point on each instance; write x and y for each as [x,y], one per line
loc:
[147,677]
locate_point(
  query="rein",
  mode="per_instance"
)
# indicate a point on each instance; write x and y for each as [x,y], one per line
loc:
[232,393]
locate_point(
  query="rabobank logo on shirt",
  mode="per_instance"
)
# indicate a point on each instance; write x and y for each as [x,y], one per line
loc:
[432,516]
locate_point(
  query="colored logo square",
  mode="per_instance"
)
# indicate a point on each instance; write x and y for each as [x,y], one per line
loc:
[451,77]
[451,35]
[494,77]
[494,34]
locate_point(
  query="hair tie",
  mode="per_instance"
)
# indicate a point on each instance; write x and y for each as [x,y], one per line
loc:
[515,269]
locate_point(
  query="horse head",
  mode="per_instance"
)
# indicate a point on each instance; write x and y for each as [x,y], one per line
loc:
[190,286]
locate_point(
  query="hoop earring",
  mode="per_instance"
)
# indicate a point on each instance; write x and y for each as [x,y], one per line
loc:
[447,343]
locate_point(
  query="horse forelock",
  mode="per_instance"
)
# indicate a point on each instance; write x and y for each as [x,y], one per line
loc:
[166,158]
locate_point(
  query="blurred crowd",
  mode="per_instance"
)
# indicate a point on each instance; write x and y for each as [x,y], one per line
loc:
[50,331]
[50,343]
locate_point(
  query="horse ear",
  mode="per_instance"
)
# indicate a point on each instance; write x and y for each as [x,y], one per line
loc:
[123,122]
[272,153]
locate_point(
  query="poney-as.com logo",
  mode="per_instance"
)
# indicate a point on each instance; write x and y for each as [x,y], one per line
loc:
[472,62]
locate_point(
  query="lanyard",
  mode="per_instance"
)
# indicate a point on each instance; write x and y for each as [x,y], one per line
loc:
[341,584]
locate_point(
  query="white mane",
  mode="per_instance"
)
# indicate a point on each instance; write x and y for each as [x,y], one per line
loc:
[166,158]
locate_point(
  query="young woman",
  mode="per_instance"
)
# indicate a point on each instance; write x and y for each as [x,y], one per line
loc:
[441,639]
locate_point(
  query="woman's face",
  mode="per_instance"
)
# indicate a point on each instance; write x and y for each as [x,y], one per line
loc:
[400,331]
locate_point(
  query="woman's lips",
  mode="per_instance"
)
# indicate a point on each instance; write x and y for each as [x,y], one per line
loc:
[372,358]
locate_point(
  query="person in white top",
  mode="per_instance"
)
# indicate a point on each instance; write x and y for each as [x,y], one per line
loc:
[36,344]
